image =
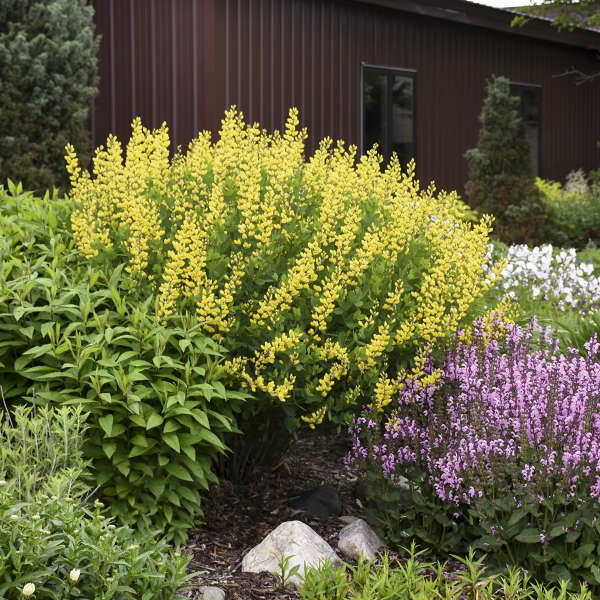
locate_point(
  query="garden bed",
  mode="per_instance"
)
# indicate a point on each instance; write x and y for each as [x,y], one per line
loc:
[239,516]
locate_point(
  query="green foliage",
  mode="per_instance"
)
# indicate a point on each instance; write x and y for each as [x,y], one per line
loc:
[51,538]
[573,328]
[48,70]
[500,181]
[158,410]
[41,449]
[573,218]
[286,572]
[564,14]
[554,539]
[419,579]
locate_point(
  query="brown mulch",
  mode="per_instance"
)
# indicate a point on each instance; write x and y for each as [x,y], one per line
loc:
[237,517]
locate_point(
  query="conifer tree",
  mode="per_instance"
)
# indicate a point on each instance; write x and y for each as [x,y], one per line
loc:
[500,179]
[48,78]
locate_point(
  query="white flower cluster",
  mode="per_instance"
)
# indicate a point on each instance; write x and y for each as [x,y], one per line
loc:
[559,278]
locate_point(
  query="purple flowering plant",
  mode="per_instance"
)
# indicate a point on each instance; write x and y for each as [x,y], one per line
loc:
[501,455]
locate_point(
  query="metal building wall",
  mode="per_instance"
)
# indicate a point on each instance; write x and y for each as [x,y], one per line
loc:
[267,55]
[157,60]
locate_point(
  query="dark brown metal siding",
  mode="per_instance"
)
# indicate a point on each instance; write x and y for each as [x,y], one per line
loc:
[186,61]
[157,60]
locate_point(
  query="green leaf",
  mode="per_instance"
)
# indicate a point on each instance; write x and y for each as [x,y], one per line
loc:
[138,420]
[171,426]
[172,440]
[106,422]
[139,440]
[529,535]
[212,439]
[154,421]
[595,570]
[190,495]
[189,451]
[157,486]
[556,531]
[179,471]
[517,516]
[109,448]
[124,468]
[173,497]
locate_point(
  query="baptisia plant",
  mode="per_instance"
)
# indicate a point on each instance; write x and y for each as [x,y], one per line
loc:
[323,278]
[502,453]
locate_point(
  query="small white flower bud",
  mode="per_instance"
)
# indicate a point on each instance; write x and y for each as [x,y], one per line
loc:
[28,590]
[14,517]
[2,482]
[74,575]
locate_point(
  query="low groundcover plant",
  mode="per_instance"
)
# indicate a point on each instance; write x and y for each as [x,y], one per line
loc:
[420,579]
[502,454]
[55,541]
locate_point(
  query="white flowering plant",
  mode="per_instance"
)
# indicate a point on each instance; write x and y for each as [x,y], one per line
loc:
[55,541]
[65,550]
[548,277]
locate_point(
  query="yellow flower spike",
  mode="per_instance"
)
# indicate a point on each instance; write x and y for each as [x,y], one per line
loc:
[294,265]
[315,418]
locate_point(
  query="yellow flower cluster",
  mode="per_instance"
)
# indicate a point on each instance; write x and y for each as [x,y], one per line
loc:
[120,194]
[313,273]
[316,418]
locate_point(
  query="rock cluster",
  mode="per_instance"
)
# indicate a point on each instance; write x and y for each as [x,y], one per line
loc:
[293,546]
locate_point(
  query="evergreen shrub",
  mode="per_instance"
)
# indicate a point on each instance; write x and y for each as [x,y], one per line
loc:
[48,70]
[500,180]
[324,278]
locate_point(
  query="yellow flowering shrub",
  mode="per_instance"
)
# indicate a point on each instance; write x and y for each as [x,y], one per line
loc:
[326,278]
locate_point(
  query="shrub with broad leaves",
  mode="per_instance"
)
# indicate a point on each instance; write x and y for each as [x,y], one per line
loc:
[71,335]
[573,211]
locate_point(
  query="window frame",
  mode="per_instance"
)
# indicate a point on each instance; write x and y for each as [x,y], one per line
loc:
[390,72]
[521,84]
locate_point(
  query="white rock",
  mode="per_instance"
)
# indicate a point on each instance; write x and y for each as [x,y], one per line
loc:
[347,519]
[208,592]
[358,539]
[294,539]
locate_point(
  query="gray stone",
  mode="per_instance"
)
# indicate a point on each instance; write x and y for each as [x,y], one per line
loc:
[320,502]
[208,592]
[292,539]
[358,539]
[347,519]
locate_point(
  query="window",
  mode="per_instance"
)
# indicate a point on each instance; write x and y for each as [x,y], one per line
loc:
[389,112]
[530,110]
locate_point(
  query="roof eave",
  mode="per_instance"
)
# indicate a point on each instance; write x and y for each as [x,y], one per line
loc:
[478,15]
